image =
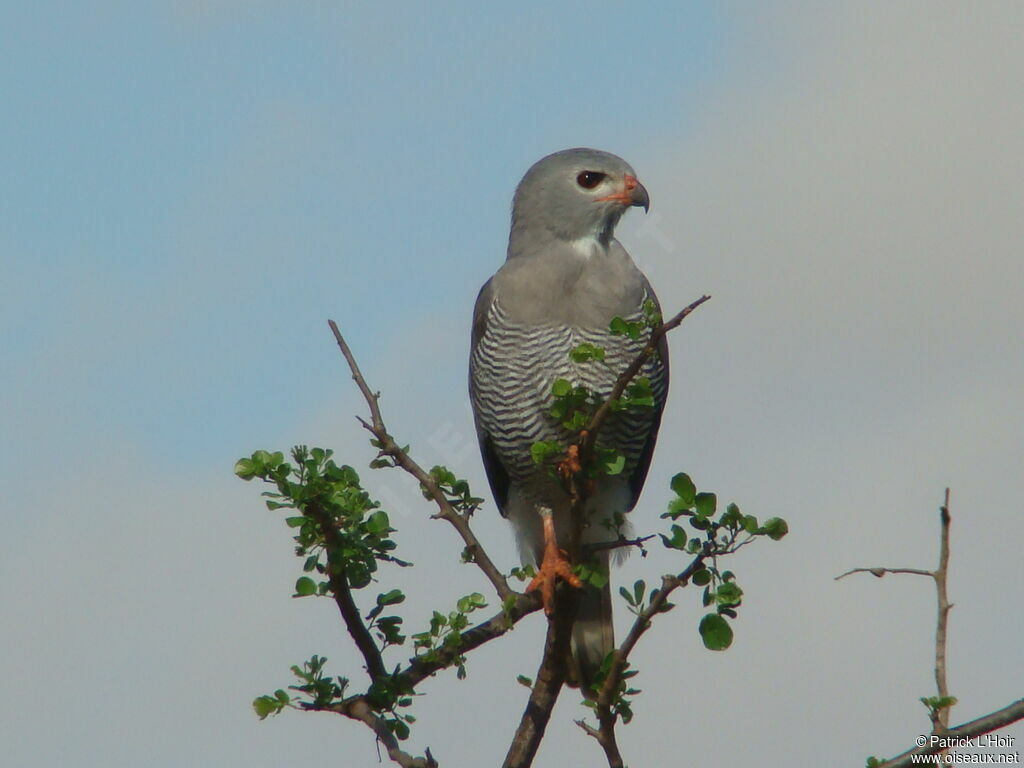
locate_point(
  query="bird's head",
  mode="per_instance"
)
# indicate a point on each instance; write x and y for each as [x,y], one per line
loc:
[576,194]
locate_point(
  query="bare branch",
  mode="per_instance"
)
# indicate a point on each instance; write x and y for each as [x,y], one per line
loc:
[940,716]
[943,737]
[880,572]
[388,447]
[620,542]
[547,685]
[986,724]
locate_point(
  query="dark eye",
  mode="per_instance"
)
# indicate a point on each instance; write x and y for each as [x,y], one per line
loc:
[590,179]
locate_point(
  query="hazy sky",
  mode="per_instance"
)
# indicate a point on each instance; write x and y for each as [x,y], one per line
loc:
[192,188]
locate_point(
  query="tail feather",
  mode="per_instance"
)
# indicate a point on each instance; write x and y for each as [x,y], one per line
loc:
[593,637]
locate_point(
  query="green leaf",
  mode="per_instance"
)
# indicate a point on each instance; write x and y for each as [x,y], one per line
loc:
[702,577]
[295,522]
[613,461]
[305,587]
[678,540]
[715,632]
[705,504]
[543,450]
[729,593]
[775,528]
[524,680]
[471,602]
[246,469]
[684,488]
[639,588]
[561,388]
[393,597]
[378,523]
[266,705]
[586,352]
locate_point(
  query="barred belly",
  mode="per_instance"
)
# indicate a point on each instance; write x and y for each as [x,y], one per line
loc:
[511,372]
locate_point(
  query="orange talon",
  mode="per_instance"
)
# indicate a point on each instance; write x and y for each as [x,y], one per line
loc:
[570,465]
[554,566]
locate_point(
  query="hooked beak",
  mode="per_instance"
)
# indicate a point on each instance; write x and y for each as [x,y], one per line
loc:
[633,193]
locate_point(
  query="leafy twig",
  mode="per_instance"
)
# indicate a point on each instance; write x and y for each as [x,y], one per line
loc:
[343,597]
[358,708]
[606,717]
[605,409]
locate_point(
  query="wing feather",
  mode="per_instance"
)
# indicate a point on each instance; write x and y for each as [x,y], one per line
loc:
[497,475]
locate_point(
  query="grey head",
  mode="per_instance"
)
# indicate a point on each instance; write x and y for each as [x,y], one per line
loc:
[571,195]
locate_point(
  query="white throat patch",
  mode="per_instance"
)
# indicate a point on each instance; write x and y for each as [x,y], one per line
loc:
[587,246]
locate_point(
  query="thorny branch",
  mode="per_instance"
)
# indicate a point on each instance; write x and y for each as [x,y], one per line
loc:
[389,448]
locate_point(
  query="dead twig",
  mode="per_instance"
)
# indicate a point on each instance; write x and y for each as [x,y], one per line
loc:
[939,715]
[619,543]
[943,737]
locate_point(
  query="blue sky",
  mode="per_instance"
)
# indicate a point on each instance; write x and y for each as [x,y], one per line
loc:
[193,188]
[198,186]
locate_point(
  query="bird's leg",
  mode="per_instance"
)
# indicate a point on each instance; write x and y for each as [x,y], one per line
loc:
[555,565]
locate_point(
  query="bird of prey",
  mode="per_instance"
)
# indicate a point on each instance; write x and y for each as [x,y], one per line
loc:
[564,279]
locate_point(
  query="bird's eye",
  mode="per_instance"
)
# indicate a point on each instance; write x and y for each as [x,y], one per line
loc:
[590,179]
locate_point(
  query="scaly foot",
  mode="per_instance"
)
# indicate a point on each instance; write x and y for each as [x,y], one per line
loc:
[553,567]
